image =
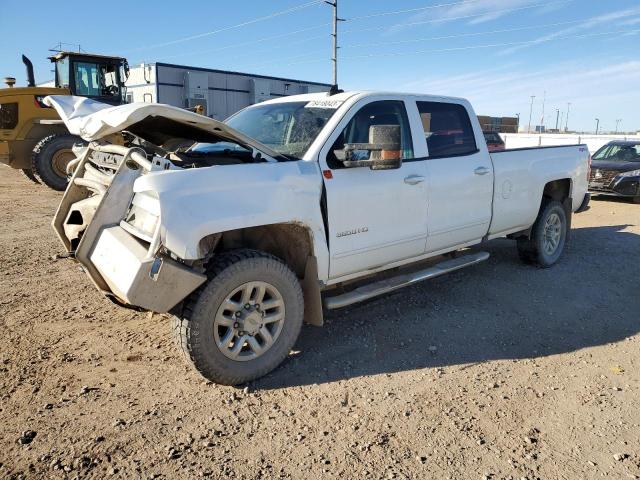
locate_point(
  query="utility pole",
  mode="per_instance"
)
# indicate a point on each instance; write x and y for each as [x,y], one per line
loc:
[334,59]
[531,113]
[566,125]
[544,101]
[597,125]
[518,125]
[618,121]
[557,118]
[561,119]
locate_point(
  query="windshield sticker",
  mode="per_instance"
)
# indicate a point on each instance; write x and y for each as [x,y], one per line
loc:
[324,104]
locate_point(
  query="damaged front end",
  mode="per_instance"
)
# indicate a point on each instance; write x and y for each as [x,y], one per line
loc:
[115,234]
[113,227]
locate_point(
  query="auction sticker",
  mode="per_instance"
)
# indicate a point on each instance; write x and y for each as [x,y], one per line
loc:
[323,104]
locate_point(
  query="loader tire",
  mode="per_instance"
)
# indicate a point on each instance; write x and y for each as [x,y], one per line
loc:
[27,173]
[546,243]
[50,157]
[242,323]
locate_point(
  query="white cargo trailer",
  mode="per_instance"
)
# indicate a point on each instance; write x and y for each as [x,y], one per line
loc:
[220,92]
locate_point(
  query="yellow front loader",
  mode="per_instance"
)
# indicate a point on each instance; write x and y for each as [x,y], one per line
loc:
[32,136]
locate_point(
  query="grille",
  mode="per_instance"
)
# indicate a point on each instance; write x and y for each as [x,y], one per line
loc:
[605,179]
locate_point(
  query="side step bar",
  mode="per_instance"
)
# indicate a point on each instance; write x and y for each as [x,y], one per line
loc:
[390,284]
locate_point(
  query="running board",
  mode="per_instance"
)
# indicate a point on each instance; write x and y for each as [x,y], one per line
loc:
[390,284]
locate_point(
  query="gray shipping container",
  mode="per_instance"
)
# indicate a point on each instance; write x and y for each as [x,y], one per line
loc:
[220,92]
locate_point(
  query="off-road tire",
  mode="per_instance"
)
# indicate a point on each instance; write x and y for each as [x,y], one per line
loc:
[42,159]
[531,250]
[27,173]
[193,329]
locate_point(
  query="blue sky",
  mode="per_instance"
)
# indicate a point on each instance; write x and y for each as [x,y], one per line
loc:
[496,53]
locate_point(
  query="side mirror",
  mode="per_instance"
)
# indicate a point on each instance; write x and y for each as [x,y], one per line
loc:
[383,152]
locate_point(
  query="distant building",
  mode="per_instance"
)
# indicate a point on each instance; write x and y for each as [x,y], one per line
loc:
[498,124]
[220,92]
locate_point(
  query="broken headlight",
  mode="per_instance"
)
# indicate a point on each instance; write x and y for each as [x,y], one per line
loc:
[143,216]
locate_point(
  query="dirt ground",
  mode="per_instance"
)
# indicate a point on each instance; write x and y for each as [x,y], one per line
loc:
[501,371]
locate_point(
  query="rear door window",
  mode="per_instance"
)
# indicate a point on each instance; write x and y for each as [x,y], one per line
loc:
[447,128]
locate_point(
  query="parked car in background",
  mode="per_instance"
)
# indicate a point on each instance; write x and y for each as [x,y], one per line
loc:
[615,170]
[494,141]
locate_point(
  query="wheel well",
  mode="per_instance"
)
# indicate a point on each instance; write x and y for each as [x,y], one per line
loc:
[559,190]
[290,242]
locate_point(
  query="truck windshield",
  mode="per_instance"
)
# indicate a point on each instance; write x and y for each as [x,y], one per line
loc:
[288,128]
[619,153]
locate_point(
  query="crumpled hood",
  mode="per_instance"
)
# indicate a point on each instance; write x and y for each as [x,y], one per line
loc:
[93,120]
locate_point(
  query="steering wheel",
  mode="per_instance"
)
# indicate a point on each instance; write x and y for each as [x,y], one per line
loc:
[111,90]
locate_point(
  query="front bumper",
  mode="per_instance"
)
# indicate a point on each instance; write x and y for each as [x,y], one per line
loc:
[155,283]
[121,265]
[619,187]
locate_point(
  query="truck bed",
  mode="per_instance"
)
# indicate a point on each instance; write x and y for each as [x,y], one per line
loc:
[519,178]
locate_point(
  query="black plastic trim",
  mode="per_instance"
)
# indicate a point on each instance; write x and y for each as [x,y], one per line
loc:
[539,148]
[438,157]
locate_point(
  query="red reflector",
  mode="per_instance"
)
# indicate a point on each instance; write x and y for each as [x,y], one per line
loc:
[327,174]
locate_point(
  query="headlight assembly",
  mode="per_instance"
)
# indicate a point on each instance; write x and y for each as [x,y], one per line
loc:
[143,215]
[632,173]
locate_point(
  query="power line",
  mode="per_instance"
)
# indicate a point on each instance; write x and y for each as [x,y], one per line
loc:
[315,37]
[462,17]
[495,45]
[455,49]
[231,27]
[259,40]
[462,35]
[411,10]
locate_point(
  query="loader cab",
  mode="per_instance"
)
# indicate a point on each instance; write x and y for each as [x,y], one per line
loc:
[98,77]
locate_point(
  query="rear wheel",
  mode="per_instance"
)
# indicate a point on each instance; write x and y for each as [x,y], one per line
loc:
[548,236]
[244,321]
[27,173]
[50,158]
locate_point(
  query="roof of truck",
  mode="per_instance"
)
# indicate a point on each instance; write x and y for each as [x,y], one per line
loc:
[343,96]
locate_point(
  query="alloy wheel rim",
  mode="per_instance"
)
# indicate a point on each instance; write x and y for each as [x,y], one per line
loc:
[249,321]
[552,234]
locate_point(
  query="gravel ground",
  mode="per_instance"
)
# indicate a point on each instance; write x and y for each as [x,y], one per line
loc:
[500,371]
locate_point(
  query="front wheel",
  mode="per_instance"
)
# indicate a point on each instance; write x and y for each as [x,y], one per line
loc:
[50,158]
[548,236]
[244,321]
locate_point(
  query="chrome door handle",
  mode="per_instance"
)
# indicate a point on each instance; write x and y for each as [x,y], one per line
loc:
[413,179]
[481,171]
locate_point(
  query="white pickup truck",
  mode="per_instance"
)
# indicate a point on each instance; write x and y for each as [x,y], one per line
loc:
[244,229]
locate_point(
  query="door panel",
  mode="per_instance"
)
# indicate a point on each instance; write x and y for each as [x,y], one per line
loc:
[375,217]
[460,189]
[459,200]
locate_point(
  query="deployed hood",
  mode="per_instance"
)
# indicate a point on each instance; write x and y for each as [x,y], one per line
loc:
[154,122]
